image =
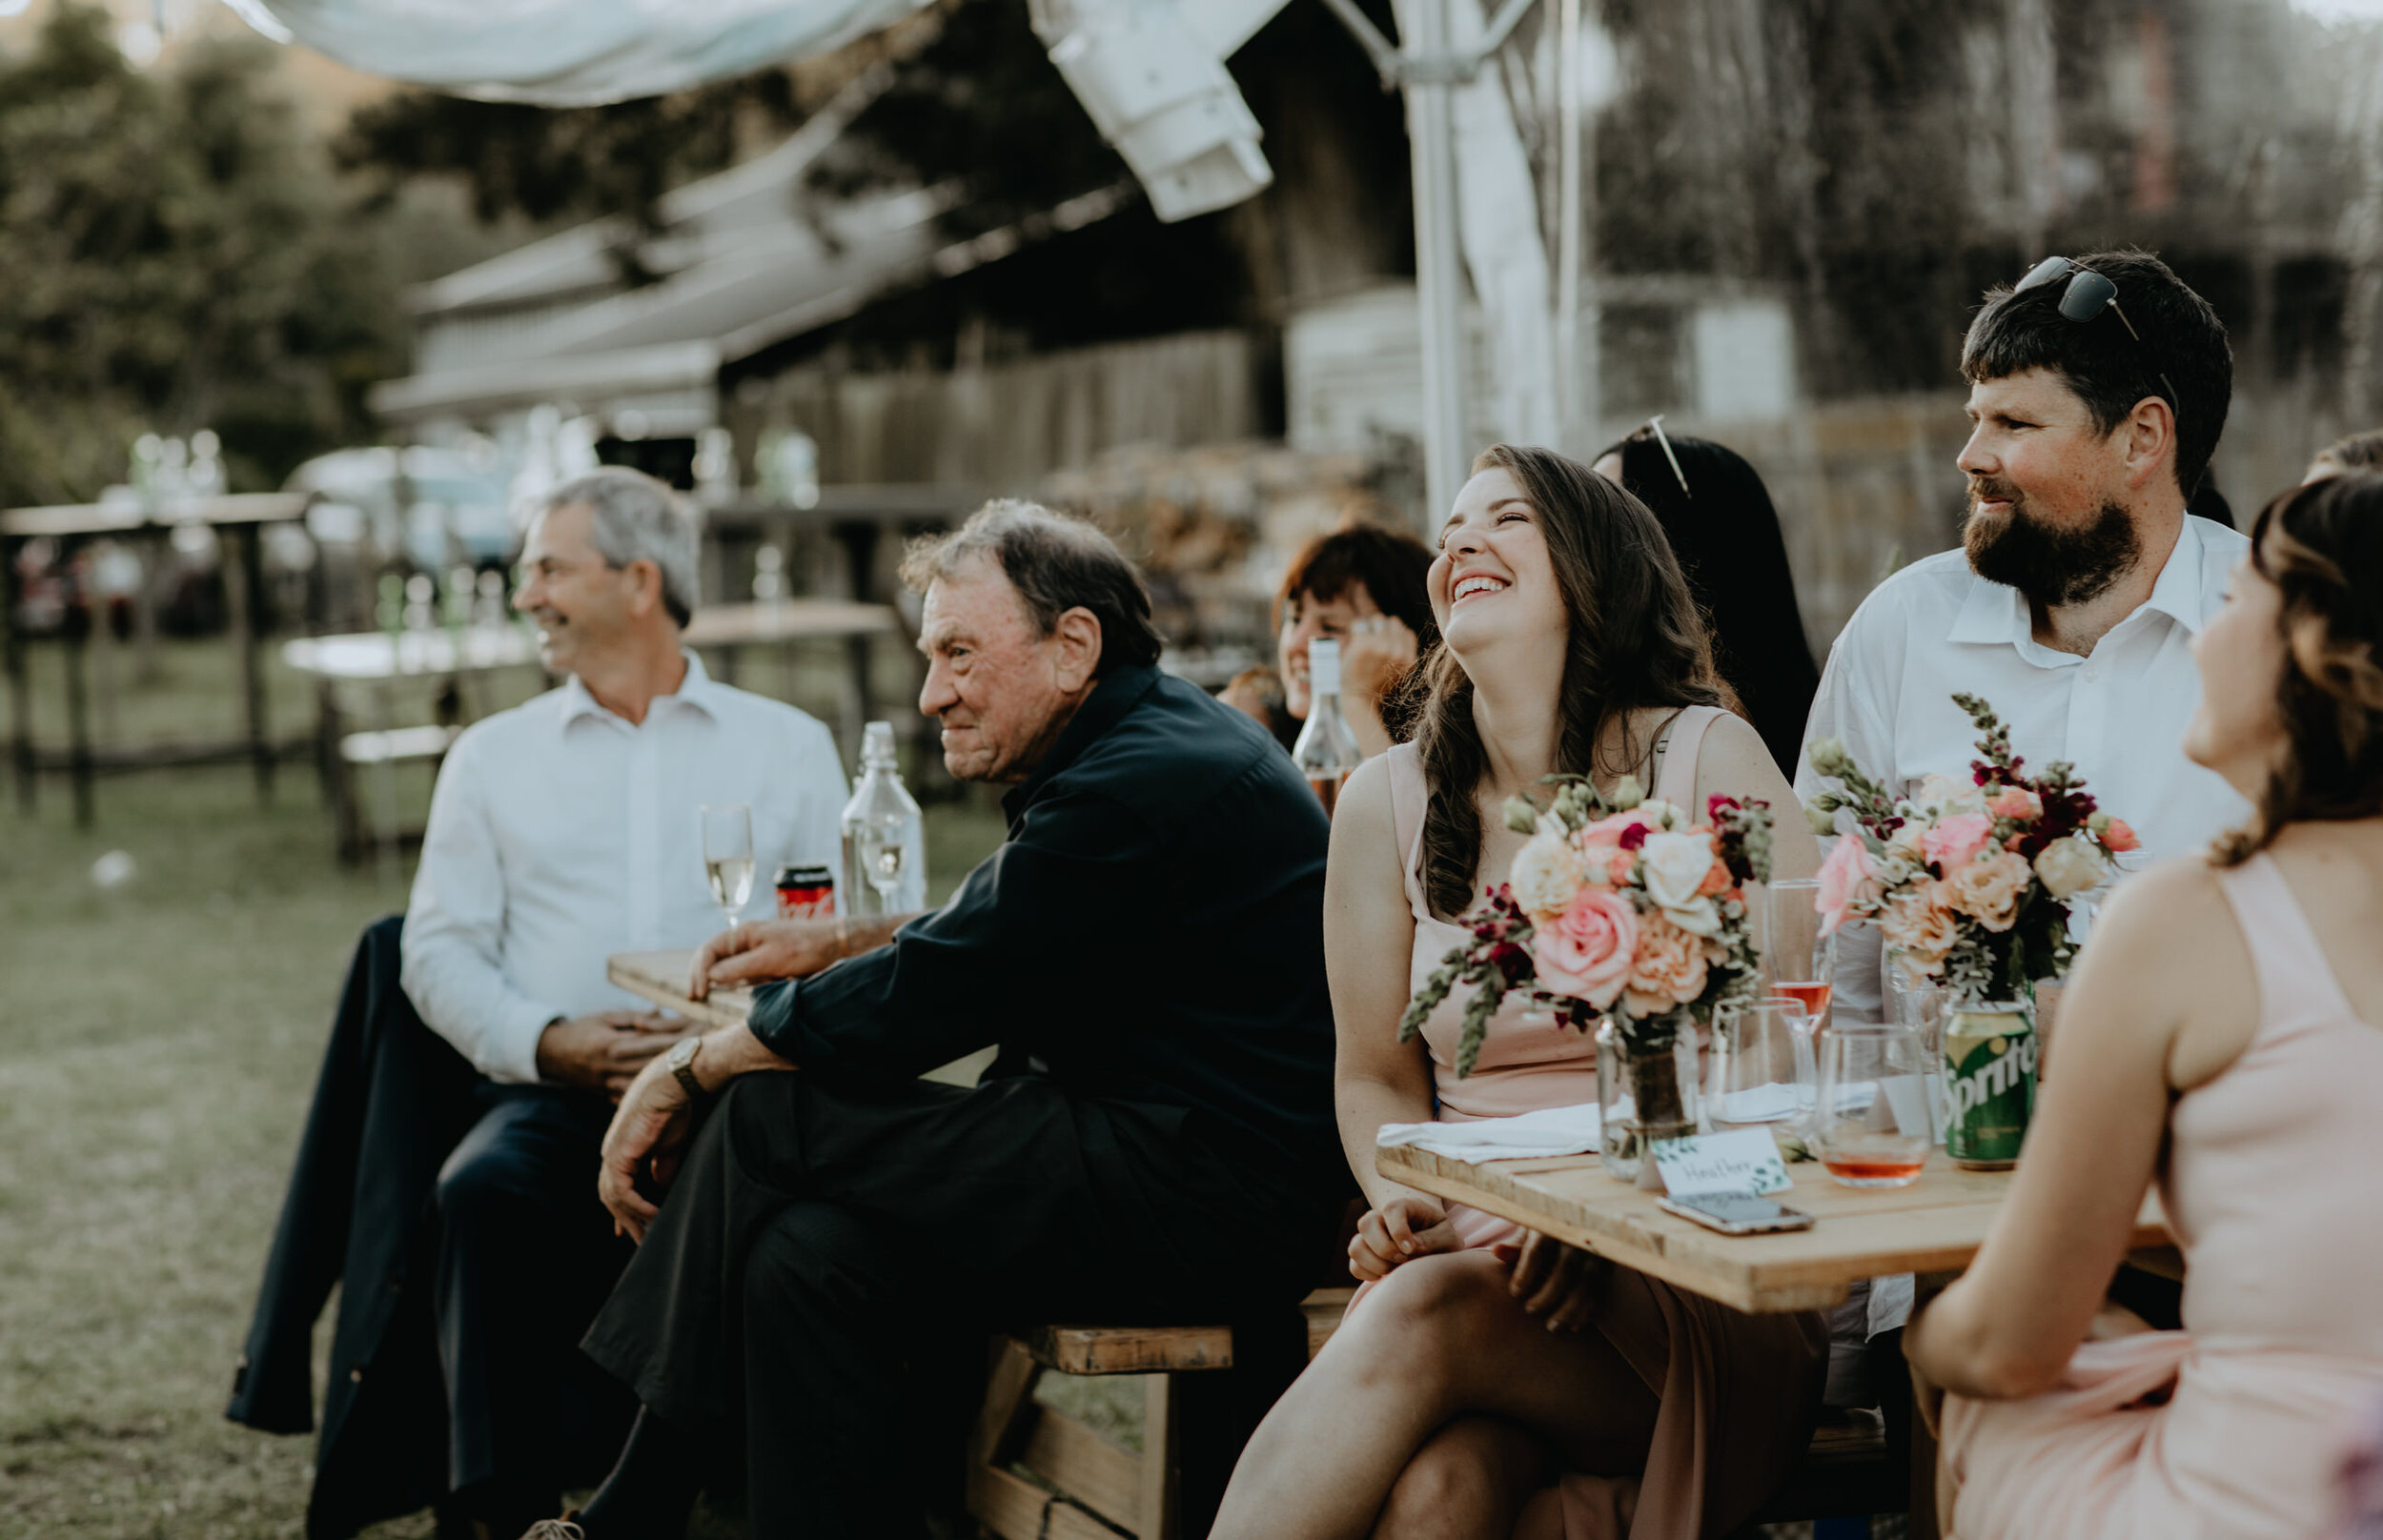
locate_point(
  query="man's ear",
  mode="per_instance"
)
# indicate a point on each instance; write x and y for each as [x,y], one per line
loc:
[645,587]
[2150,438]
[1078,656]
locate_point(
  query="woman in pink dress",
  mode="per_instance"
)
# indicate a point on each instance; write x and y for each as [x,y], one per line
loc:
[2221,1037]
[1487,1382]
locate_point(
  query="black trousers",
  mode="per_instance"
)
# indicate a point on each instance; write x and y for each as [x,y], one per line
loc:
[826,1246]
[525,1258]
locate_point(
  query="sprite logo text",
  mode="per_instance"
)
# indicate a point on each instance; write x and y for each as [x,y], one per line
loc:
[1991,1073]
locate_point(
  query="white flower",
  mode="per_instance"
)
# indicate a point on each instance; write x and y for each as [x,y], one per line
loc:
[1547,871]
[1701,917]
[1940,794]
[1905,842]
[1663,814]
[1676,865]
[2070,867]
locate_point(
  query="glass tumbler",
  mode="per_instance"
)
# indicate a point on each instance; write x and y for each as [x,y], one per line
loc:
[1760,1070]
[1872,1125]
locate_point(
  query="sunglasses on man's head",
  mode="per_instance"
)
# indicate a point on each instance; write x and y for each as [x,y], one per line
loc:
[2088,296]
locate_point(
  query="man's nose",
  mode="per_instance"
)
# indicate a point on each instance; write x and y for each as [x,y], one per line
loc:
[1973,458]
[937,696]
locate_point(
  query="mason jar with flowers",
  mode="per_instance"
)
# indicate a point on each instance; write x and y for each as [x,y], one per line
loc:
[1622,914]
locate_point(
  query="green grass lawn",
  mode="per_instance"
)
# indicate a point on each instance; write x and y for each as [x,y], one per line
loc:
[158,1043]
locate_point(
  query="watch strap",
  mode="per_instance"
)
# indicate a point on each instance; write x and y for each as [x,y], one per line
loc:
[682,1066]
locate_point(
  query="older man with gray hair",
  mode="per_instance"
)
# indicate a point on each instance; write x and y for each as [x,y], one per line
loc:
[1157,1136]
[562,830]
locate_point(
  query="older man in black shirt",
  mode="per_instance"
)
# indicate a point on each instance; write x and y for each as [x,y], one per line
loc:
[1157,1138]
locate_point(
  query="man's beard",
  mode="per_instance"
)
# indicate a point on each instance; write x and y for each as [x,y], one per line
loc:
[2051,566]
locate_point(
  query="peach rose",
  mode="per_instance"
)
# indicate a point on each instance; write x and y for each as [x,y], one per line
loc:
[1916,924]
[2015,802]
[1717,879]
[1988,889]
[2119,838]
[1668,970]
[1955,839]
[1850,884]
[1547,871]
[1586,953]
[1905,842]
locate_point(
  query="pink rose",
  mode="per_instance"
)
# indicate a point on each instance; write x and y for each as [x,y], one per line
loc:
[1916,924]
[1954,840]
[2016,802]
[1586,952]
[2119,838]
[1668,970]
[1988,889]
[1850,884]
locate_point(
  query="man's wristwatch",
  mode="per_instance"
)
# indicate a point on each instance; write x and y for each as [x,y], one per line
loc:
[680,1062]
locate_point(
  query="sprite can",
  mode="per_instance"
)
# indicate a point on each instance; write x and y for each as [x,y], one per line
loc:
[1989,1084]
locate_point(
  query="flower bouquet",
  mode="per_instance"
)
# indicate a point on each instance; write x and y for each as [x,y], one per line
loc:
[1626,909]
[1971,883]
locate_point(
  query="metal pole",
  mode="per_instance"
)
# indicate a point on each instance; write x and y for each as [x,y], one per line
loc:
[1572,433]
[1439,267]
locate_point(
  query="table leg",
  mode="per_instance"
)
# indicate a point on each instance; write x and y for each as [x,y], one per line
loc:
[77,633]
[20,693]
[248,617]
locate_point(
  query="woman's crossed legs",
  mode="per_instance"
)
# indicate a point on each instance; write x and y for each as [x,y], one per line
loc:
[1436,1410]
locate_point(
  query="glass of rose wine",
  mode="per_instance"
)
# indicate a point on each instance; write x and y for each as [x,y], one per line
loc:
[1802,961]
[1872,1127]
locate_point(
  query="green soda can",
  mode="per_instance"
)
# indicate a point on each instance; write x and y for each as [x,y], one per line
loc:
[1989,1084]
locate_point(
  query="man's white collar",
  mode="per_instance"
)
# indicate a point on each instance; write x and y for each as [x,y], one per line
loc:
[1998,612]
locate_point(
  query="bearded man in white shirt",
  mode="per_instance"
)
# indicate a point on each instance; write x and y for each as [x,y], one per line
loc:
[561,831]
[2098,388]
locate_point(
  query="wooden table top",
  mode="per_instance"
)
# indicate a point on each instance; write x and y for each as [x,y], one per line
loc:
[660,976]
[228,511]
[1936,1224]
[375,655]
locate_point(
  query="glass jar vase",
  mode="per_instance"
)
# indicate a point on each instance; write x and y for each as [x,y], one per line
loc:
[1643,1095]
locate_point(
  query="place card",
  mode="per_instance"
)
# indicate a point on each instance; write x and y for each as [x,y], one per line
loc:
[1745,1160]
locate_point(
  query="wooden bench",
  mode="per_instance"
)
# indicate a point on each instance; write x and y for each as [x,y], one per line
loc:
[1037,1473]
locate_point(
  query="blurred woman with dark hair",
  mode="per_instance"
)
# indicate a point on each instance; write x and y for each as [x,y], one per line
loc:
[2223,1037]
[1362,586]
[1724,531]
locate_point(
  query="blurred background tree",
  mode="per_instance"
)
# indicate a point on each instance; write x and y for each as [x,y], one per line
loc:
[177,253]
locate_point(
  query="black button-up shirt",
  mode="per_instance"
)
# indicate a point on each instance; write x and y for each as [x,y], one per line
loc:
[1150,931]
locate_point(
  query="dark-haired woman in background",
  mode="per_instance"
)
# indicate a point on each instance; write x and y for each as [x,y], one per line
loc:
[1488,1381]
[1725,533]
[1362,585]
[2223,1037]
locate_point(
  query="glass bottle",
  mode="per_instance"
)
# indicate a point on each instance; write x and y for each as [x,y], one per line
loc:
[885,839]
[1327,750]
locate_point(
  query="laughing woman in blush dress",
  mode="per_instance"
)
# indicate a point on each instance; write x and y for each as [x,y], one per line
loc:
[2222,1035]
[1487,1382]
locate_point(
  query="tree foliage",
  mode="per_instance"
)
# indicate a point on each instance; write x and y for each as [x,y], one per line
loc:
[175,254]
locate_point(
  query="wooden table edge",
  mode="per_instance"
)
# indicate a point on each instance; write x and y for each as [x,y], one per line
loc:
[1734,1281]
[706,1011]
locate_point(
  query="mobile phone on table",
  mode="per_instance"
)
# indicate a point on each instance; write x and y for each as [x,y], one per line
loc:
[1736,1213]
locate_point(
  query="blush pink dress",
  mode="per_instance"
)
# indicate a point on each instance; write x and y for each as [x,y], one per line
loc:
[2235,1428]
[1738,1394]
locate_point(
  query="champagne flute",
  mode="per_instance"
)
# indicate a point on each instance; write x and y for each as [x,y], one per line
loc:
[728,856]
[1802,961]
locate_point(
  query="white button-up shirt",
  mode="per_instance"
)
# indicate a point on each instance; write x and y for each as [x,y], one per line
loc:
[2118,713]
[560,833]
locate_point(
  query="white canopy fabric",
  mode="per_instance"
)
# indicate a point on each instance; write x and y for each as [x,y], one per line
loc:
[567,53]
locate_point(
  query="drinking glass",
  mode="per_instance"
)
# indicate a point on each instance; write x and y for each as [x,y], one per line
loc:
[1762,1070]
[1872,1127]
[1922,1006]
[1802,961]
[728,856]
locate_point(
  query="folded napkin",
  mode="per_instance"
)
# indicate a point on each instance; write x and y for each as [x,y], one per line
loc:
[1564,1130]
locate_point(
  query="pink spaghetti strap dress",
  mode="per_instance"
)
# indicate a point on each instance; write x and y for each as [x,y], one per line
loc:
[2235,1427]
[1738,1394]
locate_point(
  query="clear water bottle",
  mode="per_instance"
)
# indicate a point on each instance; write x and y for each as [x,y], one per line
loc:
[1327,748]
[885,839]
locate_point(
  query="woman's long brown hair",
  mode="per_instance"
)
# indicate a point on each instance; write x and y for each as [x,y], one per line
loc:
[1635,641]
[2322,544]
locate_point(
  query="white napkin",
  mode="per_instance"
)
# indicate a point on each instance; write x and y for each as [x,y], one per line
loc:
[1761,1103]
[1564,1130]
